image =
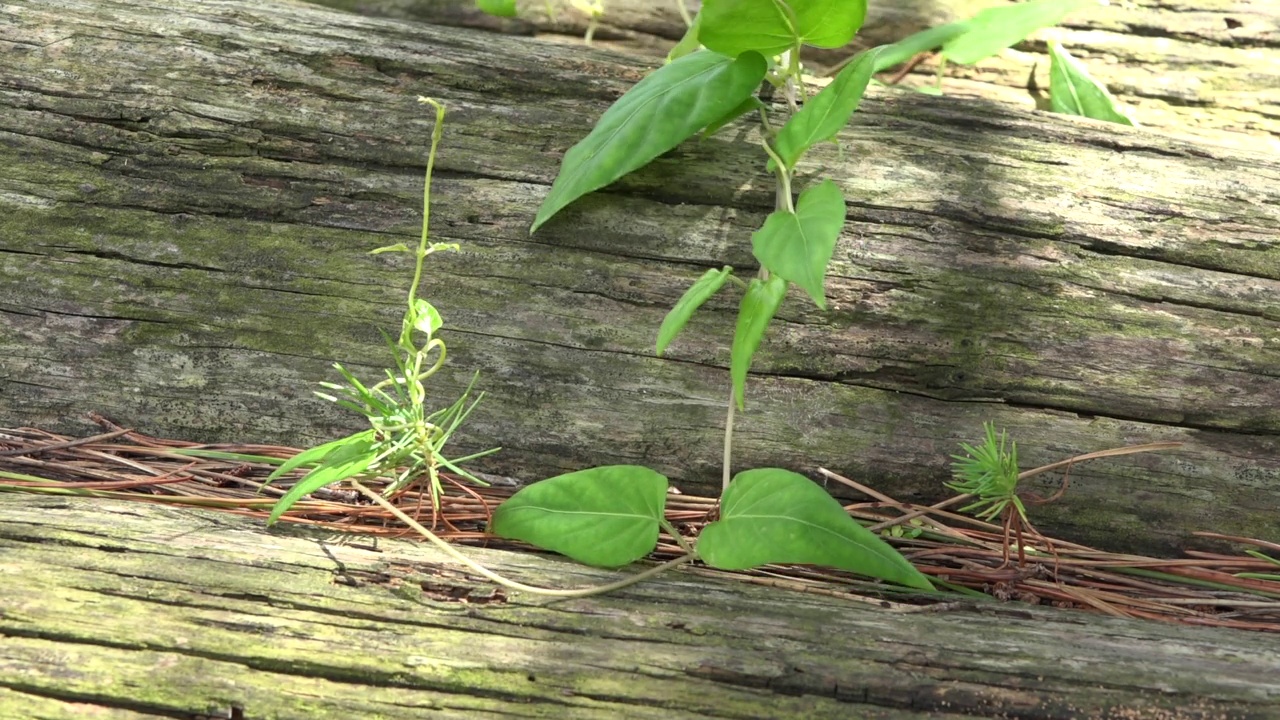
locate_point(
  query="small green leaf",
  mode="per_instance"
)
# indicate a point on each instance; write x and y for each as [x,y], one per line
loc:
[1074,92]
[755,312]
[916,43]
[798,246]
[352,457]
[751,104]
[697,294]
[769,515]
[398,247]
[997,28]
[498,8]
[689,43]
[773,26]
[828,111]
[604,516]
[660,112]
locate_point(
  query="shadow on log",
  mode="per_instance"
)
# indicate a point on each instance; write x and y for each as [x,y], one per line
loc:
[1206,71]
[138,611]
[191,189]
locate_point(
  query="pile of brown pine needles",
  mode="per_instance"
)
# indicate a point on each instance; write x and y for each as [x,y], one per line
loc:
[966,555]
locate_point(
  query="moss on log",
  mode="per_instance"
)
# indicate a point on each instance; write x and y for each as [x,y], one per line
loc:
[190,190]
[129,610]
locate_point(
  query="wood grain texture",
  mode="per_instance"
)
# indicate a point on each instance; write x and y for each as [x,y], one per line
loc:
[128,610]
[190,190]
[1207,70]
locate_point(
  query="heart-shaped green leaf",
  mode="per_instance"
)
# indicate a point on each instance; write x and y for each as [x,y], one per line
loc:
[773,26]
[738,26]
[605,516]
[798,245]
[829,23]
[660,112]
[755,312]
[769,515]
[697,294]
[1074,92]
[997,28]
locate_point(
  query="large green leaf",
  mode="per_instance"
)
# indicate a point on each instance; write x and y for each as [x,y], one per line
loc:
[997,28]
[605,516]
[661,111]
[500,8]
[751,104]
[769,515]
[773,26]
[798,245]
[829,23]
[825,113]
[755,312]
[1074,92]
[698,293]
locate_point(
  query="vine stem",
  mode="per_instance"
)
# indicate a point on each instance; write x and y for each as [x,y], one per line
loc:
[452,552]
[782,201]
[684,13]
[436,132]
[728,442]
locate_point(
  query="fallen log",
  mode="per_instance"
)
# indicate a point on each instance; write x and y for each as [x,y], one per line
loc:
[1208,71]
[138,611]
[191,190]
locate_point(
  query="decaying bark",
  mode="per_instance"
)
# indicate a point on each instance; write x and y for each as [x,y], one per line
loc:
[138,611]
[190,190]
[1207,70]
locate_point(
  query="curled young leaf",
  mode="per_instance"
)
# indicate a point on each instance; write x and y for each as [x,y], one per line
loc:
[426,319]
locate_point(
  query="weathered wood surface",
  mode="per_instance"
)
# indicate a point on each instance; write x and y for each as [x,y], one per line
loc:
[1208,70]
[190,189]
[128,610]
